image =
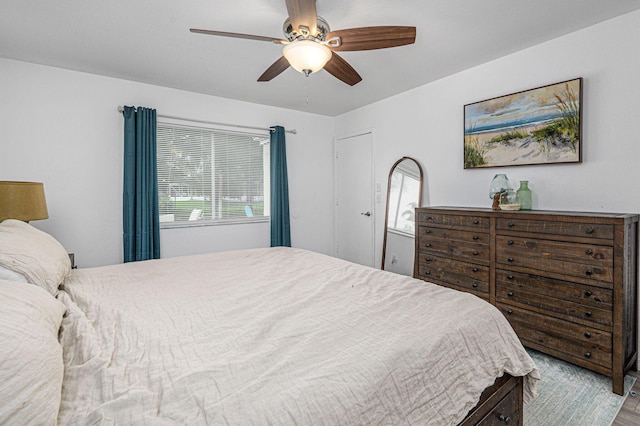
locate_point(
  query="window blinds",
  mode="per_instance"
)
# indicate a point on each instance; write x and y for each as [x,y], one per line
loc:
[211,175]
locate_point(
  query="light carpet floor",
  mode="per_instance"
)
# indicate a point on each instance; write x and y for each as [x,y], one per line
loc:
[570,395]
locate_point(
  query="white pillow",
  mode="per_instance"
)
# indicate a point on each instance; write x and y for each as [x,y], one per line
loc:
[31,368]
[33,253]
[9,275]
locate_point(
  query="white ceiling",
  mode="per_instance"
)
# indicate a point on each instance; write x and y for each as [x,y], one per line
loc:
[149,41]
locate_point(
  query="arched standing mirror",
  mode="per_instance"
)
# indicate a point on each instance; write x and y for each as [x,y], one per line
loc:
[404,193]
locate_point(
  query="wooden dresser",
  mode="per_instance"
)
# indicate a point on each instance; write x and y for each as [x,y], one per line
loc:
[566,281]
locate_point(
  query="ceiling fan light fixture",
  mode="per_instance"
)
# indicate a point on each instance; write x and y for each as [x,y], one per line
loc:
[306,56]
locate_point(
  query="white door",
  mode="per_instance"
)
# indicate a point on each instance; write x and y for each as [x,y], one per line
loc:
[354,199]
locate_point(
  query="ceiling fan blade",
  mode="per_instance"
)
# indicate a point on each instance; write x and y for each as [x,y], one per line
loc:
[238,35]
[275,69]
[369,38]
[340,69]
[303,12]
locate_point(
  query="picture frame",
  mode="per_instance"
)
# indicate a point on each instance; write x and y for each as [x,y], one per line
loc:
[536,126]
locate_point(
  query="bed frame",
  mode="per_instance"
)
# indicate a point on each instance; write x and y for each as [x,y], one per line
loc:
[500,404]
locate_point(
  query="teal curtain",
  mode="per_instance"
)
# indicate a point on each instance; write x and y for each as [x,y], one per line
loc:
[141,223]
[280,225]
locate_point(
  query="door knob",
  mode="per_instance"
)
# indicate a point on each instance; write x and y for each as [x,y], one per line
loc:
[366,214]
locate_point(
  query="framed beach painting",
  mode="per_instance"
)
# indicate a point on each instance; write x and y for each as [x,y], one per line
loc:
[536,126]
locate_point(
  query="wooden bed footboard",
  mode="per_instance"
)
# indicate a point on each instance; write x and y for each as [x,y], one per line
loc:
[500,404]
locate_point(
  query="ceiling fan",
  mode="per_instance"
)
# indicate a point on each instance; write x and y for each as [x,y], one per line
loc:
[311,46]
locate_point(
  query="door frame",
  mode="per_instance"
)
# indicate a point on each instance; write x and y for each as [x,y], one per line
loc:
[336,141]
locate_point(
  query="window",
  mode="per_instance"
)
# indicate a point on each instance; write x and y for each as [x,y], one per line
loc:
[403,193]
[208,176]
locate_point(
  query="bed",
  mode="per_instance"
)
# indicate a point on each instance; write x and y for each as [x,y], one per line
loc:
[273,336]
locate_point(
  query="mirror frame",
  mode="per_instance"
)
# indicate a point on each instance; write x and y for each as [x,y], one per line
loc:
[386,212]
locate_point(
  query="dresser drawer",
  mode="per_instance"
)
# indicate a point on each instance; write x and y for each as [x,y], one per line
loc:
[448,234]
[507,412]
[462,275]
[580,260]
[500,402]
[589,230]
[577,341]
[473,250]
[566,300]
[443,219]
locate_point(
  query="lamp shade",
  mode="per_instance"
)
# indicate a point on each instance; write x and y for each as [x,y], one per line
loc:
[23,201]
[306,56]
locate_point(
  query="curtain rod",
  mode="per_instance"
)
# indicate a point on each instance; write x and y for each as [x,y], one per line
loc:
[270,129]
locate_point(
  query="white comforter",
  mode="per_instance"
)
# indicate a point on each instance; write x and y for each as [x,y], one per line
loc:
[276,337]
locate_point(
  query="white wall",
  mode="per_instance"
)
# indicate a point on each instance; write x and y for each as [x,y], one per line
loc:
[62,128]
[427,123]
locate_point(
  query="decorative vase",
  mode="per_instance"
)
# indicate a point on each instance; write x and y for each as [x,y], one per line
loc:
[499,184]
[509,197]
[524,195]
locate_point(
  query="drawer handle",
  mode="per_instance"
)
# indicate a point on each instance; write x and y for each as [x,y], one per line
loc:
[510,224]
[587,293]
[589,251]
[588,314]
[427,272]
[475,237]
[510,294]
[509,311]
[588,272]
[589,231]
[429,218]
[587,355]
[474,285]
[474,270]
[427,259]
[587,335]
[505,419]
[475,253]
[476,222]
[509,277]
[427,231]
[510,242]
[510,259]
[427,245]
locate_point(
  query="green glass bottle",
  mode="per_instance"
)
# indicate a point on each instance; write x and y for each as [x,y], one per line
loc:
[524,195]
